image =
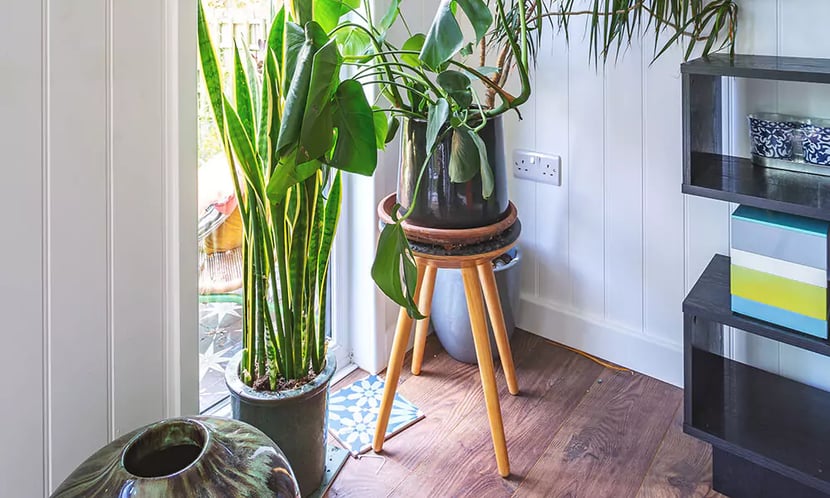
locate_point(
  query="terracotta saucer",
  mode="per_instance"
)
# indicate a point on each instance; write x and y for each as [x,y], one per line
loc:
[449,237]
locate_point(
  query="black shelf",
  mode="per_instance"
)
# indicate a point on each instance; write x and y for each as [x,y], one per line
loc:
[761,67]
[710,299]
[736,179]
[769,420]
[771,433]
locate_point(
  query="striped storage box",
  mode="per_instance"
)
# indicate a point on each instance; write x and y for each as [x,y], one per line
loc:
[779,269]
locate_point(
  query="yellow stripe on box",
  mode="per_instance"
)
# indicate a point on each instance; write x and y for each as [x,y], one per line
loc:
[780,292]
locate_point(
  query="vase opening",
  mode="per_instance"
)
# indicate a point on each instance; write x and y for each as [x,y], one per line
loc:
[165,449]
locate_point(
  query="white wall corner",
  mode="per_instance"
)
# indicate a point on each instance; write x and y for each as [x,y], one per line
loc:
[632,349]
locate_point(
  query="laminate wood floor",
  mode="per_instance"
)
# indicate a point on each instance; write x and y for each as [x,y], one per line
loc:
[576,429]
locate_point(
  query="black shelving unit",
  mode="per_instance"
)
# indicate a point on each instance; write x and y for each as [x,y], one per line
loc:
[770,435]
[709,172]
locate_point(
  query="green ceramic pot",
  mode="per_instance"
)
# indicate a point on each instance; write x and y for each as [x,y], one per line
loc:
[194,456]
[296,419]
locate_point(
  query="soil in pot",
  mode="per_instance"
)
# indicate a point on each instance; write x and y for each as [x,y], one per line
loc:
[441,203]
[296,419]
[449,315]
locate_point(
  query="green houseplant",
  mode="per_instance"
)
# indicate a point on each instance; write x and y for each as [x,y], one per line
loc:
[287,134]
[289,129]
[450,101]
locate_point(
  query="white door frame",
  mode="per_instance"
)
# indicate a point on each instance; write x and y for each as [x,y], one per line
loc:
[181,320]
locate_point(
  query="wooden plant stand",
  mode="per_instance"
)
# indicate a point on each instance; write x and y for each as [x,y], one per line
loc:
[475,262]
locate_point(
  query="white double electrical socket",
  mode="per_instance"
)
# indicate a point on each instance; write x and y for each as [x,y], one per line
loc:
[537,167]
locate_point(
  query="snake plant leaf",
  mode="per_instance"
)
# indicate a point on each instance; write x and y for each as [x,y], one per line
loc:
[317,133]
[244,150]
[276,35]
[355,150]
[297,96]
[394,263]
[242,93]
[457,86]
[271,78]
[487,181]
[436,117]
[464,156]
[330,220]
[415,43]
[210,70]
[254,81]
[445,38]
[327,231]
[381,127]
[264,147]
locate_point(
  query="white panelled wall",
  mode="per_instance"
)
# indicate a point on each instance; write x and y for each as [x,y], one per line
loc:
[97,200]
[611,253]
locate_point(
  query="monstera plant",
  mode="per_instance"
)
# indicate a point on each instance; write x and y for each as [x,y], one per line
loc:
[450,85]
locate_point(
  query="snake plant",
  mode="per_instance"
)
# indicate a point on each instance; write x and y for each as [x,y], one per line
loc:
[290,129]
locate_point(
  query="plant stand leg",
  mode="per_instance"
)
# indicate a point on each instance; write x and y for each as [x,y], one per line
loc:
[491,296]
[393,371]
[475,306]
[422,326]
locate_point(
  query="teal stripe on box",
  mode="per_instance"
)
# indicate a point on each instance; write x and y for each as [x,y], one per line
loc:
[799,247]
[778,316]
[783,220]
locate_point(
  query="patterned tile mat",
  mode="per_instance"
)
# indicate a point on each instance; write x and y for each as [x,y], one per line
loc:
[353,414]
[220,337]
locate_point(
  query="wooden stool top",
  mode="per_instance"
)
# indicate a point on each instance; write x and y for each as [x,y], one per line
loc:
[449,248]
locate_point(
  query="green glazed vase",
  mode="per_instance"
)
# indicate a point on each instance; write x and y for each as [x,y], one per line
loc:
[193,456]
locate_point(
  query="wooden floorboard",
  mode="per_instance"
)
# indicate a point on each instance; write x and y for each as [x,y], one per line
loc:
[682,467]
[552,381]
[449,393]
[608,443]
[567,433]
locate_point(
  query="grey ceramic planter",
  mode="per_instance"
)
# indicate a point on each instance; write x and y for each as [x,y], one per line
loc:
[450,317]
[297,420]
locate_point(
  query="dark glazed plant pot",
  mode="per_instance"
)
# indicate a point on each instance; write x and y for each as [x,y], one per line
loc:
[297,419]
[440,202]
[194,456]
[451,319]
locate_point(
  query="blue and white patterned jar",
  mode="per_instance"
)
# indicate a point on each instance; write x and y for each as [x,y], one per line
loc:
[816,142]
[772,135]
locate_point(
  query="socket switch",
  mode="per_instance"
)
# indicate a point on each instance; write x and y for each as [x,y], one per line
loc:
[537,167]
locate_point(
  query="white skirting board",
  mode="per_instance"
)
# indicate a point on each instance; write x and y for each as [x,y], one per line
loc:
[631,349]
